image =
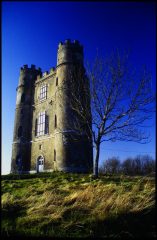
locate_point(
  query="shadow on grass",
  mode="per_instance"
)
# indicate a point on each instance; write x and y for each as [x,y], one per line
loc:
[9,214]
[137,225]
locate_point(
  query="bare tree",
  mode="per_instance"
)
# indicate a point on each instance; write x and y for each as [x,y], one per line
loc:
[111,166]
[148,164]
[121,101]
[139,165]
[128,166]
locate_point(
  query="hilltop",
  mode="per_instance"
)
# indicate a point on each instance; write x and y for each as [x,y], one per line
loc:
[75,205]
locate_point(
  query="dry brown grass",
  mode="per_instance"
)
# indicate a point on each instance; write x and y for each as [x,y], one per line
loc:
[74,205]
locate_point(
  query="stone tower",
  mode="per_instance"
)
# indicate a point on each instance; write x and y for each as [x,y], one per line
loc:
[21,147]
[45,133]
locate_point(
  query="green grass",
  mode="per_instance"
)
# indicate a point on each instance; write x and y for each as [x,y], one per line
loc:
[75,205]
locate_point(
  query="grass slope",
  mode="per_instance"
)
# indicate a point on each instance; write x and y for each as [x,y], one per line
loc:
[74,205]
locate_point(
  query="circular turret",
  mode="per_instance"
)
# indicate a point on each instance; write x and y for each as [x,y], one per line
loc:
[70,154]
[70,52]
[28,74]
[23,117]
[26,82]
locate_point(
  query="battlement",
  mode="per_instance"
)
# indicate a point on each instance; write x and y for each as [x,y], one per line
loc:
[52,70]
[69,52]
[45,123]
[46,73]
[33,67]
[69,44]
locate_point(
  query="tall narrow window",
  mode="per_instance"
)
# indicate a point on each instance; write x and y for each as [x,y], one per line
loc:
[19,162]
[41,124]
[46,124]
[36,126]
[55,121]
[57,81]
[19,131]
[43,92]
[23,98]
[54,155]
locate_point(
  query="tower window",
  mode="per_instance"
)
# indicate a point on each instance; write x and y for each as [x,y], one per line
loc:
[54,155]
[19,162]
[19,131]
[23,98]
[42,124]
[55,121]
[36,126]
[40,146]
[46,124]
[43,92]
[57,81]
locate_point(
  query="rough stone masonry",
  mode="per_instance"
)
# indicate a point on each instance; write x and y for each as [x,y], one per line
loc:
[45,138]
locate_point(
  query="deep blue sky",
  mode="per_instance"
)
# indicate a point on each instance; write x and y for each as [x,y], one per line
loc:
[31,32]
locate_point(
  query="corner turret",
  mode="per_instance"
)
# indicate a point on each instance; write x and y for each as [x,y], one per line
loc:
[21,148]
[70,156]
[28,74]
[70,52]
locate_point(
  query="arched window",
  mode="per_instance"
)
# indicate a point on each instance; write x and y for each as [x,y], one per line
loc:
[55,121]
[57,81]
[23,98]
[54,155]
[19,131]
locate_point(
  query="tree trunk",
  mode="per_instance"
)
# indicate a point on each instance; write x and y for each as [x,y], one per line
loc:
[96,161]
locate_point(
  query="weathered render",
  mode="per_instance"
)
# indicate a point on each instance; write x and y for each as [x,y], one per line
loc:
[44,130]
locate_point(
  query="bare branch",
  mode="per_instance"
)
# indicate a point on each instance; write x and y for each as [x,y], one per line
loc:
[121,100]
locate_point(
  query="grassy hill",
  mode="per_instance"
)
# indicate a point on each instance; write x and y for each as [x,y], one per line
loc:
[75,205]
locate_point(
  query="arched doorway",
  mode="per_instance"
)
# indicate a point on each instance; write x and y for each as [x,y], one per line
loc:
[40,164]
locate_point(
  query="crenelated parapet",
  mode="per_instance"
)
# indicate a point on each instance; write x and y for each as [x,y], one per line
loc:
[28,75]
[32,68]
[46,135]
[70,52]
[46,73]
[69,44]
